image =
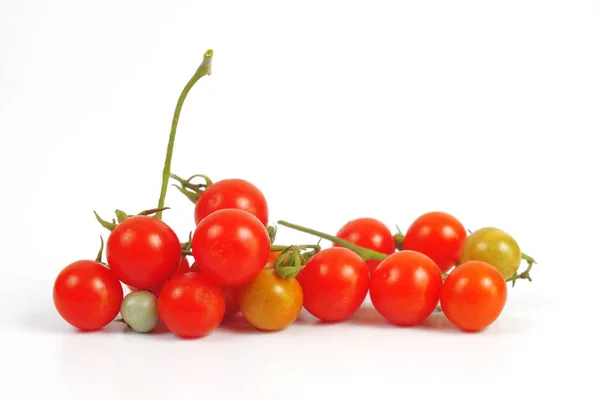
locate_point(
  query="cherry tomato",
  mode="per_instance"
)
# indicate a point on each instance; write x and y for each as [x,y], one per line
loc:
[493,246]
[232,302]
[232,193]
[406,287]
[194,268]
[371,234]
[335,282]
[143,252]
[232,305]
[231,246]
[473,295]
[87,295]
[191,305]
[184,266]
[271,303]
[139,311]
[439,236]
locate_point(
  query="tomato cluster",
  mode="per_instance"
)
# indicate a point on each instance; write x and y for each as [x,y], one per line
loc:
[437,266]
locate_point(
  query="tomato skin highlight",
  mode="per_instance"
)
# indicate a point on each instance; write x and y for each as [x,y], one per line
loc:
[231,246]
[335,282]
[495,247]
[473,295]
[406,287]
[87,295]
[371,234]
[269,302]
[191,305]
[232,193]
[438,235]
[143,252]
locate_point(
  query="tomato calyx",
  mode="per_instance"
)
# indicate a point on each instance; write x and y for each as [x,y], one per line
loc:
[293,259]
[525,274]
[186,247]
[364,253]
[192,191]
[272,231]
[122,216]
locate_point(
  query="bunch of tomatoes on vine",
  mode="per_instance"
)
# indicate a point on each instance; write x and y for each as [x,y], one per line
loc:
[237,267]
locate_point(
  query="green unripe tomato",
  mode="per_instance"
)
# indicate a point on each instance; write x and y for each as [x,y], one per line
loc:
[139,310]
[495,247]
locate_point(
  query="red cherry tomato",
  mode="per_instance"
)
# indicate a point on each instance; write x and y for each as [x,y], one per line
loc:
[371,234]
[334,282]
[439,236]
[232,300]
[405,288]
[87,295]
[232,193]
[184,266]
[194,268]
[231,246]
[232,304]
[191,305]
[143,252]
[473,295]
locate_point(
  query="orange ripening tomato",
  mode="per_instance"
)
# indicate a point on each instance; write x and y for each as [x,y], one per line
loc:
[269,302]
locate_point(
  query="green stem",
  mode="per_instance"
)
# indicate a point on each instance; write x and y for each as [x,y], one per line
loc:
[364,253]
[527,258]
[153,211]
[399,239]
[304,246]
[99,256]
[203,69]
[525,274]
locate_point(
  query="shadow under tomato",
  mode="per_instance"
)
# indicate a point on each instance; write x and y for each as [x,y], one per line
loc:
[438,322]
[46,320]
[367,315]
[160,329]
[306,319]
[238,324]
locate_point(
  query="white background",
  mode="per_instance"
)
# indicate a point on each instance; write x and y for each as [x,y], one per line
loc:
[336,110]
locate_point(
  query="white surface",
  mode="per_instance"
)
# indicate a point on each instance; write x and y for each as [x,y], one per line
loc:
[486,110]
